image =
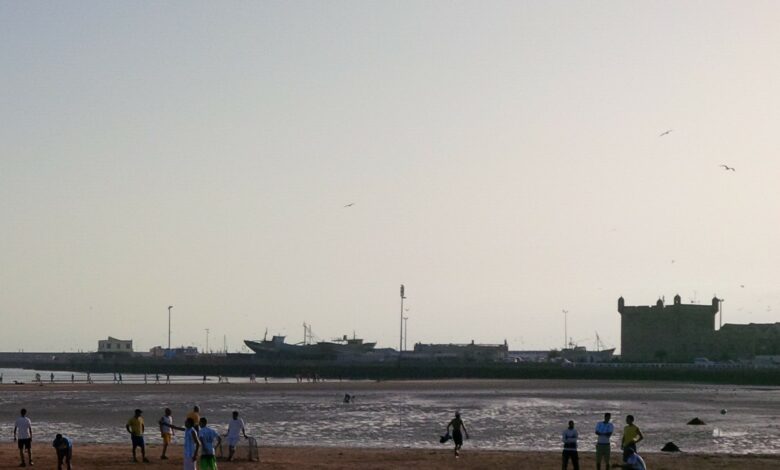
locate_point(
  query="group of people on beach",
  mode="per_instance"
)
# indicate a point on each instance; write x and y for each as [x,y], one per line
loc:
[200,440]
[632,435]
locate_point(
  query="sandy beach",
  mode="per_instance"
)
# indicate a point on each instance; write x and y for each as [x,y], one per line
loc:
[89,457]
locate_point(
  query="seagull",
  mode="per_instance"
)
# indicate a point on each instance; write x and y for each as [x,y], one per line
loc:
[350,204]
[666,133]
[727,168]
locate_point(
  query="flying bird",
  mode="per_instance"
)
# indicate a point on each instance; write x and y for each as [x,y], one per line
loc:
[666,133]
[350,204]
[727,168]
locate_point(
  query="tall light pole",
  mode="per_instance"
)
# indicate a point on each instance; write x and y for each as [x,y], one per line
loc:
[565,328]
[207,341]
[169,326]
[401,339]
[406,331]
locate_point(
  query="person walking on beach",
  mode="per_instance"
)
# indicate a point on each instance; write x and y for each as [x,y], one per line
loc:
[23,436]
[207,436]
[631,437]
[236,428]
[604,432]
[135,426]
[166,431]
[64,448]
[570,447]
[457,435]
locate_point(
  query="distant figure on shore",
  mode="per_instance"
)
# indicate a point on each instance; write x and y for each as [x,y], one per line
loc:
[145,382]
[236,428]
[115,380]
[89,378]
[207,436]
[166,432]
[120,378]
[51,377]
[23,436]
[135,426]
[1,378]
[634,461]
[38,377]
[604,432]
[457,435]
[73,378]
[64,448]
[157,378]
[204,378]
[167,378]
[570,447]
[631,437]
[347,398]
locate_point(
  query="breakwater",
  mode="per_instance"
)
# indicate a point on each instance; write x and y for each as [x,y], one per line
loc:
[248,364]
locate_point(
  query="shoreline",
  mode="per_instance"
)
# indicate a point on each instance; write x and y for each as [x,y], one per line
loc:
[96,456]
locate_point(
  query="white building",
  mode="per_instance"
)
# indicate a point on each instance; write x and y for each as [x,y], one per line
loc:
[113,345]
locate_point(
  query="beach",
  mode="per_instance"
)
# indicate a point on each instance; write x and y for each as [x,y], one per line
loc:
[396,424]
[98,456]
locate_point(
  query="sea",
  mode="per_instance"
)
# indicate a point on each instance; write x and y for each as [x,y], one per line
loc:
[501,415]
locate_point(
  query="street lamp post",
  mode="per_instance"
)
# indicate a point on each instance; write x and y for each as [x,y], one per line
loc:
[565,328]
[406,332]
[169,326]
[401,339]
[207,342]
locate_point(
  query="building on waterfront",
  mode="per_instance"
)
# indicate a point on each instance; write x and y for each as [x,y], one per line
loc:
[182,351]
[667,333]
[747,341]
[115,346]
[684,332]
[470,352]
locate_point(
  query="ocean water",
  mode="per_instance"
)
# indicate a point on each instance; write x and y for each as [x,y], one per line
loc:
[518,415]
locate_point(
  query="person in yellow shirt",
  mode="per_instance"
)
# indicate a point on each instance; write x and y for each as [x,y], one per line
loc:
[631,437]
[135,426]
[194,415]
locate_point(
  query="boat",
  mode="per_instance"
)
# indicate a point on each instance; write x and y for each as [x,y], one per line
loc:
[309,349]
[576,353]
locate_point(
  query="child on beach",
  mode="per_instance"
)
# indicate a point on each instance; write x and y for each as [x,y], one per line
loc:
[457,435]
[23,436]
[135,426]
[207,436]
[64,448]
[191,443]
[166,431]
[631,437]
[570,447]
[235,429]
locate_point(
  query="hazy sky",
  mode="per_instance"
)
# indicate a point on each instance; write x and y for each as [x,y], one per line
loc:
[504,159]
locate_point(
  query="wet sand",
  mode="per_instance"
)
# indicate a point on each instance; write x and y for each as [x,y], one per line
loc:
[97,456]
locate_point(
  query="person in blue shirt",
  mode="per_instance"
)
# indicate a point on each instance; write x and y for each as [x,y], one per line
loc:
[604,430]
[208,459]
[64,448]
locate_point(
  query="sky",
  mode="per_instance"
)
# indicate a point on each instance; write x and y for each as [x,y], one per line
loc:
[504,160]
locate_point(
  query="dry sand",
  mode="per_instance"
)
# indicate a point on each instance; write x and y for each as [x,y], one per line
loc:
[97,456]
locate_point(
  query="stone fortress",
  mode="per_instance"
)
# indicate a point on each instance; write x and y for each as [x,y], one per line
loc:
[684,332]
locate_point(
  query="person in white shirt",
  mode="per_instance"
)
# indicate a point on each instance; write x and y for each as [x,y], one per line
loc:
[604,430]
[23,436]
[166,431]
[235,429]
[570,447]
